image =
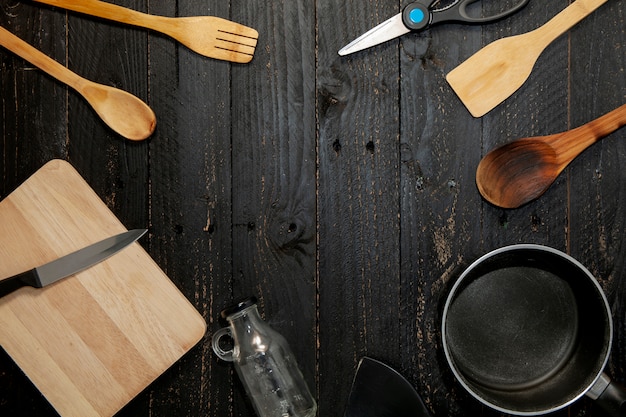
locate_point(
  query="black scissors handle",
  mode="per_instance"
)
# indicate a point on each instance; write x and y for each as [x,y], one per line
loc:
[418,15]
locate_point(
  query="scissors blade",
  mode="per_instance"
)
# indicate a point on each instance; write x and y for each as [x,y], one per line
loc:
[389,29]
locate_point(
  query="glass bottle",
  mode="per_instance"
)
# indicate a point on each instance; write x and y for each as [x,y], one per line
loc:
[265,363]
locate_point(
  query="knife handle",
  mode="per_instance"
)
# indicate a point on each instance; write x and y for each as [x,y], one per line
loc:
[28,278]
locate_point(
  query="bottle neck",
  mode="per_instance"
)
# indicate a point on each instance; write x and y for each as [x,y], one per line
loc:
[249,331]
[245,319]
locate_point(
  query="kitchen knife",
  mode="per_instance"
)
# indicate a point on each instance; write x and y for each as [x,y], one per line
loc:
[70,264]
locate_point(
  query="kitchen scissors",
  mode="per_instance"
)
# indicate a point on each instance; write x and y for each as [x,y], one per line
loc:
[420,15]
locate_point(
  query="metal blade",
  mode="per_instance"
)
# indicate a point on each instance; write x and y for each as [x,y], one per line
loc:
[84,258]
[380,391]
[389,29]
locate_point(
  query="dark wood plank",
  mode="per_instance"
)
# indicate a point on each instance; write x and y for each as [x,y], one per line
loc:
[34,105]
[339,190]
[539,107]
[114,55]
[359,126]
[273,183]
[438,144]
[596,178]
[34,130]
[190,205]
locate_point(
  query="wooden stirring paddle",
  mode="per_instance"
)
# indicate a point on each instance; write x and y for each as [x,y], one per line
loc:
[521,171]
[492,74]
[207,35]
[121,111]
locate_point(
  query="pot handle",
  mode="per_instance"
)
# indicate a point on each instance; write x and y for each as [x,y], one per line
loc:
[609,396]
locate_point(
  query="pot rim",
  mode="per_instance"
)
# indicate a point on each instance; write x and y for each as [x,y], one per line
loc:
[453,291]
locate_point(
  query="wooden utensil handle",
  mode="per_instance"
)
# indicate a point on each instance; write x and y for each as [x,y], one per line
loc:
[609,122]
[566,19]
[39,59]
[107,11]
[574,141]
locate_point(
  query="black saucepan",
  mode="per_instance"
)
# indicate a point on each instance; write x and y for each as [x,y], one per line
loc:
[527,330]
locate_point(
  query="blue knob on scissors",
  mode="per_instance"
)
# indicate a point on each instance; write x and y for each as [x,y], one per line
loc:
[416,15]
[420,15]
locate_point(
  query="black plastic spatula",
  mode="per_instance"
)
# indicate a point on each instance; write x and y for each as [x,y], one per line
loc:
[380,391]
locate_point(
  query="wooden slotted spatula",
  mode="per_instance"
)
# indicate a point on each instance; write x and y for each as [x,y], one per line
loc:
[210,36]
[492,74]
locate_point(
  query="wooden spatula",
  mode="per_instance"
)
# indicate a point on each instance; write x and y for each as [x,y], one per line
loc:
[210,36]
[495,72]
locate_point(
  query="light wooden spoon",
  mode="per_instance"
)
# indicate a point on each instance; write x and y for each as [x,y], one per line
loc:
[521,171]
[492,74]
[210,36]
[121,111]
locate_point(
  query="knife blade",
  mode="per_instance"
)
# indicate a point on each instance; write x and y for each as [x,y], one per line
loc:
[70,264]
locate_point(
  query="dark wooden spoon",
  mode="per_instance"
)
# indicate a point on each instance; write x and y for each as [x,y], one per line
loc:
[520,171]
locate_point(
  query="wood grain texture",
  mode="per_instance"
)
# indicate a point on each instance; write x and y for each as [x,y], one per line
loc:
[92,342]
[211,36]
[358,198]
[274,177]
[126,114]
[496,71]
[340,190]
[523,169]
[595,182]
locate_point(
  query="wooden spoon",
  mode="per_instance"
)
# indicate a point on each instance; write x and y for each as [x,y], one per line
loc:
[520,171]
[121,111]
[492,74]
[207,35]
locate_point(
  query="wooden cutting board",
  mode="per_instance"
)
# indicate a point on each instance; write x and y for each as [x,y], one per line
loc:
[93,341]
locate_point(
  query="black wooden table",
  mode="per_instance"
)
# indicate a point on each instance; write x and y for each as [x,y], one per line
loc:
[339,190]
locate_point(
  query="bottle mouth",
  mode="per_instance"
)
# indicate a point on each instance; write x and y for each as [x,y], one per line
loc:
[239,306]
